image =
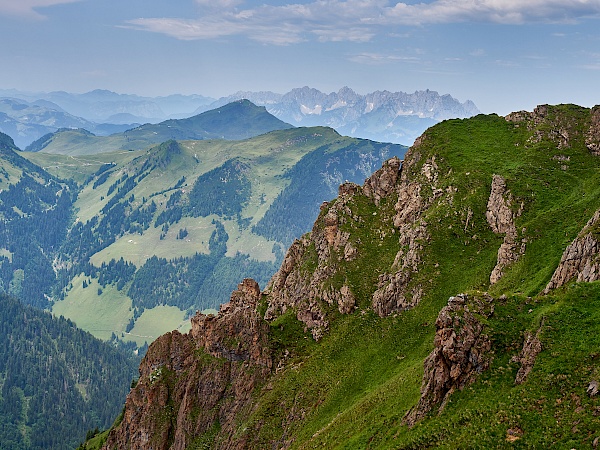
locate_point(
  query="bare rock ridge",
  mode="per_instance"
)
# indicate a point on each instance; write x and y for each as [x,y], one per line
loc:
[461,351]
[501,218]
[592,138]
[581,259]
[292,287]
[194,383]
[393,292]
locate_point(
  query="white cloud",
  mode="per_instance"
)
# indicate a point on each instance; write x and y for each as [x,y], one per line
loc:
[344,34]
[498,11]
[356,20]
[219,3]
[379,58]
[28,8]
[477,52]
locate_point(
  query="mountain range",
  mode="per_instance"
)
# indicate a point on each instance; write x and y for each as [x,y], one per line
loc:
[26,122]
[128,235]
[382,115]
[449,301]
[237,120]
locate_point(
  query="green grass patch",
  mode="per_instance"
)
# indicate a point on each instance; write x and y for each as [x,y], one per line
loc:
[157,321]
[102,314]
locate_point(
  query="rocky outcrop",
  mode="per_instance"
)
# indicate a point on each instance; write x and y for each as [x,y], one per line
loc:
[581,259]
[394,292]
[193,383]
[532,346]
[501,218]
[461,351]
[303,283]
[592,138]
[383,182]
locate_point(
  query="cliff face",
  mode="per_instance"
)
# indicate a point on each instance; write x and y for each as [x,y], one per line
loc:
[334,350]
[581,259]
[199,383]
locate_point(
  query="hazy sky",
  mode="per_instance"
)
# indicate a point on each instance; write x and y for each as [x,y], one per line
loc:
[505,55]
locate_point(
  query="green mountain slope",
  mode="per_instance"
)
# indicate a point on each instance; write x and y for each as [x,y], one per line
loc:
[36,209]
[355,343]
[160,233]
[234,121]
[57,381]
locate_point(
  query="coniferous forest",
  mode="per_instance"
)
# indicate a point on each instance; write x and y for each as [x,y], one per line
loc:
[57,381]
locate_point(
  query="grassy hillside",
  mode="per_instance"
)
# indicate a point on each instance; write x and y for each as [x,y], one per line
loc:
[558,188]
[204,209]
[354,386]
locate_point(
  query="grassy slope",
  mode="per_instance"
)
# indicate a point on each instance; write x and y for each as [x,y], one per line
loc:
[352,389]
[268,156]
[77,167]
[108,313]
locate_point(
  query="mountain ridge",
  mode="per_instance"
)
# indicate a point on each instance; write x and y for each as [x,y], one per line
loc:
[237,120]
[354,342]
[381,115]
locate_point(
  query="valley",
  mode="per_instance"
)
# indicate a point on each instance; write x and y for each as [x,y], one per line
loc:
[157,233]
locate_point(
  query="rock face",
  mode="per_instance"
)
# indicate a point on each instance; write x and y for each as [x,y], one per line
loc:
[592,138]
[198,382]
[394,293]
[309,291]
[501,218]
[383,182]
[532,346]
[461,352]
[581,259]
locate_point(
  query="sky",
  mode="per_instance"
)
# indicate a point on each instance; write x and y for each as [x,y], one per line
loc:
[504,55]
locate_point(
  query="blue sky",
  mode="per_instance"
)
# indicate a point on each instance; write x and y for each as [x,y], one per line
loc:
[505,55]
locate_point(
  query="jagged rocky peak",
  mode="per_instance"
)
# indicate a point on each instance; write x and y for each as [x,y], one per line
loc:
[193,383]
[329,245]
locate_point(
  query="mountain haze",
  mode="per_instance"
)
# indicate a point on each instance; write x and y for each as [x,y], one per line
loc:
[101,105]
[382,115]
[26,122]
[237,120]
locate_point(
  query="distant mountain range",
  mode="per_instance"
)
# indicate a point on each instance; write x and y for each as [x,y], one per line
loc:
[240,119]
[383,116]
[26,122]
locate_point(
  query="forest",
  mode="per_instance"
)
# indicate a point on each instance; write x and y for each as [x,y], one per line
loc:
[50,368]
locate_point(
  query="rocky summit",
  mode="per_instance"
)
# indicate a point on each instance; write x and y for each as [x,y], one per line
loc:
[451,300]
